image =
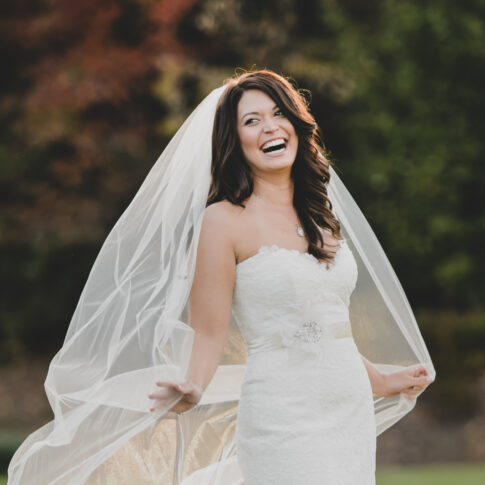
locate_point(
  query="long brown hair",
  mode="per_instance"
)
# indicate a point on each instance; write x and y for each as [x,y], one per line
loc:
[231,175]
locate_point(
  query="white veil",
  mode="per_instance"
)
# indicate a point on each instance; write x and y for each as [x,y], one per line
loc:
[130,329]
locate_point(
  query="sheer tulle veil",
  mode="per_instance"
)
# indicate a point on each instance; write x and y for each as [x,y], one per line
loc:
[130,329]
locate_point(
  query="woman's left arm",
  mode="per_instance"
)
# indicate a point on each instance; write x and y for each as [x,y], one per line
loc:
[409,381]
[377,379]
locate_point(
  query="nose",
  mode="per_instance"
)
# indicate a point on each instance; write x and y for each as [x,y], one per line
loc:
[269,125]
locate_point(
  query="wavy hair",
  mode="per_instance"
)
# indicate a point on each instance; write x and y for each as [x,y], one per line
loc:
[231,174]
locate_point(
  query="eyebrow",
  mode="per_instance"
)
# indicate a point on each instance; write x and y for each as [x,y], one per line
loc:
[256,112]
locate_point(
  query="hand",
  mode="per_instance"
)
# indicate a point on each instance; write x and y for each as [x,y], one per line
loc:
[410,381]
[191,395]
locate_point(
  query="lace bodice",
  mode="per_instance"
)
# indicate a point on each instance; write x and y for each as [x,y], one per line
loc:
[282,294]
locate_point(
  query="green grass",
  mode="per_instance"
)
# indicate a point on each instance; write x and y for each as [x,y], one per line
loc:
[445,474]
[419,475]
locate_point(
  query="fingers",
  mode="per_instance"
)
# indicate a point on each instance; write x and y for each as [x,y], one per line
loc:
[177,387]
[183,387]
[191,393]
[417,375]
[419,370]
[163,399]
[420,383]
[167,392]
[412,392]
[166,384]
[424,381]
[164,395]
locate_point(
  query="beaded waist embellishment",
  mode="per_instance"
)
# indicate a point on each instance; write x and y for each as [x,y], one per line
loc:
[307,335]
[312,331]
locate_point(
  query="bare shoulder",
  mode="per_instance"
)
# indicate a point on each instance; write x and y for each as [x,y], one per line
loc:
[222,216]
[219,225]
[224,208]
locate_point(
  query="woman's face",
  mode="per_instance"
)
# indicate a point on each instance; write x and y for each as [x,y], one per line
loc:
[268,139]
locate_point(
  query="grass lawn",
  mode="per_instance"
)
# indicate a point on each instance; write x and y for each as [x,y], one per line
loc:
[422,475]
[432,475]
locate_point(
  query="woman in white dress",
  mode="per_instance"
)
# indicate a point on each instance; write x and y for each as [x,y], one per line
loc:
[271,250]
[243,287]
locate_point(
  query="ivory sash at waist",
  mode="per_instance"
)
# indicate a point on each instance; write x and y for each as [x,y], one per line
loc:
[309,334]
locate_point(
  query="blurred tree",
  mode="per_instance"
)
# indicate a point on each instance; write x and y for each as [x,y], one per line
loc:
[78,131]
[78,114]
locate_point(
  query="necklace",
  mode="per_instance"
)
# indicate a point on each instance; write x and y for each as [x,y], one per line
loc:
[299,229]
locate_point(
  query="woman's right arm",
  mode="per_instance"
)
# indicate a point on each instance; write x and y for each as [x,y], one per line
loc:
[210,306]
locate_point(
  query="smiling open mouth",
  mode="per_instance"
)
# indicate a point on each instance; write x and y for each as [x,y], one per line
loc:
[274,146]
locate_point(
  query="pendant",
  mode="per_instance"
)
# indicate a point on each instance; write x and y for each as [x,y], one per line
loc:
[299,230]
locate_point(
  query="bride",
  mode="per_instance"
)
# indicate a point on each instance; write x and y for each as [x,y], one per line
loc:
[241,323]
[269,239]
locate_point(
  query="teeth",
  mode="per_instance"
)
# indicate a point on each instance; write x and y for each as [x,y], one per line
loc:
[273,143]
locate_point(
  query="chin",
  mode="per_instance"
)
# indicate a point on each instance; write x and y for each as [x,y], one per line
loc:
[266,164]
[278,163]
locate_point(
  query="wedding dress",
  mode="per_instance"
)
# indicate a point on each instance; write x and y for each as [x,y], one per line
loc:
[306,410]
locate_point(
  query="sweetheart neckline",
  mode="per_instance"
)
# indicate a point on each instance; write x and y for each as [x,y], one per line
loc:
[268,249]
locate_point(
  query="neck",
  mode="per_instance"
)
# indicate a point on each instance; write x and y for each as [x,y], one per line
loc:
[276,192]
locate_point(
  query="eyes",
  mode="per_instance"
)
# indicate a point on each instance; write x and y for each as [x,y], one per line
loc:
[278,112]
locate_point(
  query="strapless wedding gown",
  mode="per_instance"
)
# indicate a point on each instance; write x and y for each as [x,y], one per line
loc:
[306,411]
